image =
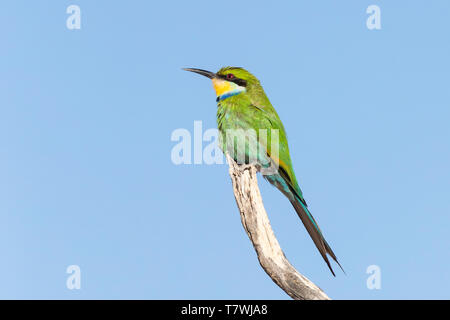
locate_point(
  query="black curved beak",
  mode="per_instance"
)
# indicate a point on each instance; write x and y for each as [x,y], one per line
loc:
[205,73]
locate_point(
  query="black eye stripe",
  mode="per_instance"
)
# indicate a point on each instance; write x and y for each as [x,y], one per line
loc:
[239,82]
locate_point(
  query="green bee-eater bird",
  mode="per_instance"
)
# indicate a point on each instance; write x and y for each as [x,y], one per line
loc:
[243,104]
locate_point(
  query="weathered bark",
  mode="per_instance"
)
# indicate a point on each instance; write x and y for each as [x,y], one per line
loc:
[257,225]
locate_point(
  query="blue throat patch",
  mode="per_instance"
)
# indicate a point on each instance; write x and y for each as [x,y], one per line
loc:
[228,94]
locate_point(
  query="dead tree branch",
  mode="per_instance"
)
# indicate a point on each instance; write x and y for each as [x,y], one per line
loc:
[257,225]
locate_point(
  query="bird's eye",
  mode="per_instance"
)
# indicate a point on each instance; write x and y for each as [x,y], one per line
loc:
[230,76]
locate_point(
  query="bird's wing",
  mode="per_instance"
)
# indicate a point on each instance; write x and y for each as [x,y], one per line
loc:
[285,180]
[267,118]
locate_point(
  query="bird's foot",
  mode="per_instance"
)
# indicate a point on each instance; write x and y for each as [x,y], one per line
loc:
[248,166]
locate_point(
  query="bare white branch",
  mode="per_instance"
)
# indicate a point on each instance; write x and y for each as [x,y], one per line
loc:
[257,225]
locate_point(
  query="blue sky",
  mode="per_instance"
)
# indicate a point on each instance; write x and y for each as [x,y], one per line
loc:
[86,176]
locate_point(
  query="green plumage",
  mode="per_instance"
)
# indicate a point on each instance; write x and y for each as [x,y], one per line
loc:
[246,110]
[253,110]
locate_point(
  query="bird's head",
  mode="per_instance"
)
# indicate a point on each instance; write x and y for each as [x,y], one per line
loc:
[229,81]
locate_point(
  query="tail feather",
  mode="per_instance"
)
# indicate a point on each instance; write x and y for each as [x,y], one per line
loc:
[285,185]
[315,233]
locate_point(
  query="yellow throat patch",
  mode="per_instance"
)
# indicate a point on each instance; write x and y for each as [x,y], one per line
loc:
[223,87]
